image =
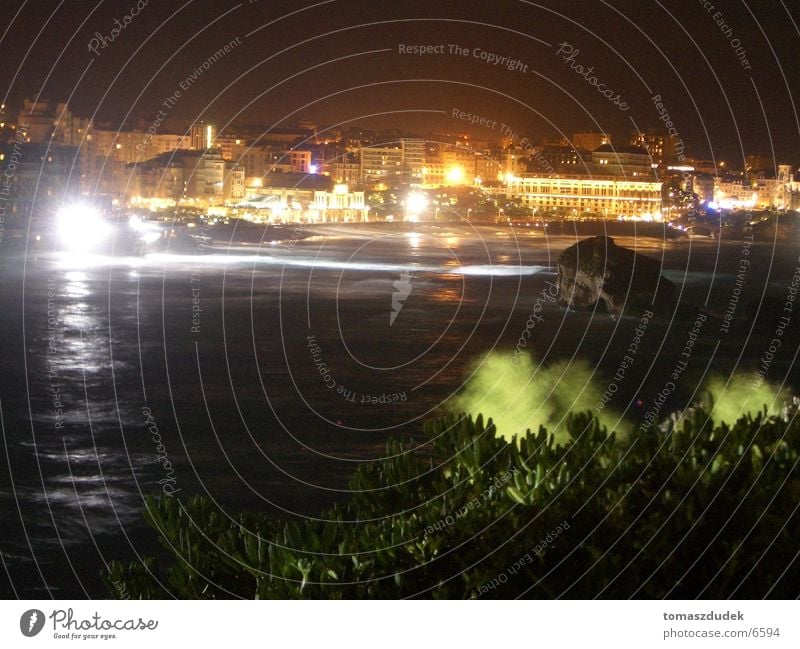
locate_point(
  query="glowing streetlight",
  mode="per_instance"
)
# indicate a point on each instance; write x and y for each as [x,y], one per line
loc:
[416,203]
[81,226]
[455,176]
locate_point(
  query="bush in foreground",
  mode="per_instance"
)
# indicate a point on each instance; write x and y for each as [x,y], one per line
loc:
[704,510]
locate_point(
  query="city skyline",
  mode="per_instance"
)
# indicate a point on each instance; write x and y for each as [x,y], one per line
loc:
[464,64]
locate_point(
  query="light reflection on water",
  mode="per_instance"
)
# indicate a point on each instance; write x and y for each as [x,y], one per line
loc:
[486,270]
[95,462]
[107,305]
[75,276]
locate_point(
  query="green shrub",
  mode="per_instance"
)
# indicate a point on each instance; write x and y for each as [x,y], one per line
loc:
[704,510]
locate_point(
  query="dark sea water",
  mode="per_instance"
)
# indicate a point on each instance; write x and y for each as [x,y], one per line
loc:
[289,371]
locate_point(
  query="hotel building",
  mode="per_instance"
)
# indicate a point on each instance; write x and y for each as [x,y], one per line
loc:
[605,196]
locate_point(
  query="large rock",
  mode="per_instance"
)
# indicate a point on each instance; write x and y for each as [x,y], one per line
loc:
[598,272]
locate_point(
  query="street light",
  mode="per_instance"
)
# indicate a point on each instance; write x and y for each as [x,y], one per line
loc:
[455,176]
[416,203]
[81,226]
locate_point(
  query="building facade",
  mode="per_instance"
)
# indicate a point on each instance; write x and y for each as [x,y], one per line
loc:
[606,197]
[200,177]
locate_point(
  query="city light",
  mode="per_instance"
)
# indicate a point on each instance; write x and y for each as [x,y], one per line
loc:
[455,176]
[81,226]
[724,203]
[147,232]
[416,203]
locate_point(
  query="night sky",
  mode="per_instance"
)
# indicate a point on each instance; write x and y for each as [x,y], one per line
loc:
[338,62]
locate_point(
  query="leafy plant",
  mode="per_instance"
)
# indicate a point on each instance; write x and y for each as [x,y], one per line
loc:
[700,510]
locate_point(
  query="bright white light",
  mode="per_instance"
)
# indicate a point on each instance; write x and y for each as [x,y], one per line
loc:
[455,175]
[489,270]
[312,169]
[81,226]
[733,203]
[136,224]
[416,203]
[148,232]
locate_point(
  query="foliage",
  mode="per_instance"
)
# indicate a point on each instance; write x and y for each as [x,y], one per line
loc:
[703,510]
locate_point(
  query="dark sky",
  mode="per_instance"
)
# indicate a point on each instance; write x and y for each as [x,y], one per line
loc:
[316,60]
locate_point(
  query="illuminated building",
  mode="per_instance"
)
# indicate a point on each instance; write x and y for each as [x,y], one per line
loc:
[197,176]
[557,159]
[48,121]
[609,182]
[662,148]
[286,197]
[487,166]
[413,157]
[401,162]
[255,161]
[347,172]
[607,197]
[299,161]
[625,161]
[258,161]
[433,174]
[703,186]
[104,154]
[757,193]
[233,187]
[202,136]
[290,161]
[381,164]
[166,142]
[338,205]
[459,165]
[231,146]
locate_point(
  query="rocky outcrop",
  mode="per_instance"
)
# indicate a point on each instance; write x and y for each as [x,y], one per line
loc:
[598,272]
